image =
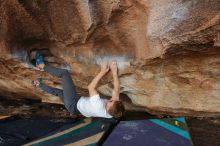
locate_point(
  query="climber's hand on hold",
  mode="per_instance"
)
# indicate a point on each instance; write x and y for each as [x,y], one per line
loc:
[104,67]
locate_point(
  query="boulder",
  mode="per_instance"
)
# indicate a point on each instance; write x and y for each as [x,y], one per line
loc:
[168,51]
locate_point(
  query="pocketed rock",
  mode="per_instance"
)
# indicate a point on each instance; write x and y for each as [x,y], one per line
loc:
[167,50]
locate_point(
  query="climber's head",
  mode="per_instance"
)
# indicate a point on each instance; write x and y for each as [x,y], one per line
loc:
[115,108]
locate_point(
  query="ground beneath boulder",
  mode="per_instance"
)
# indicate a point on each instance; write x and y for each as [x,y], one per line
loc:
[204,131]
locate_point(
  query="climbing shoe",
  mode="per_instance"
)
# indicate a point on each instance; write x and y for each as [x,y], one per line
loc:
[39,58]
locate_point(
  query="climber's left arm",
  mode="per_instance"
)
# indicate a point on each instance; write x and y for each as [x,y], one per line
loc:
[92,86]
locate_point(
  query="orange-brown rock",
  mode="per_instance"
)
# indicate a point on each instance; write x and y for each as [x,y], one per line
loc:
[168,51]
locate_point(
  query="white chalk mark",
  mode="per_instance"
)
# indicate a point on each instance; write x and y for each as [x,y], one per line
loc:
[122,61]
[127,137]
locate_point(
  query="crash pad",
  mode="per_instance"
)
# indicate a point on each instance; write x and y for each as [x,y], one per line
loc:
[151,132]
[85,132]
[16,131]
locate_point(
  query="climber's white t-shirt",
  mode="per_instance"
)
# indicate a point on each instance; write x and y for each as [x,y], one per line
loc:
[93,107]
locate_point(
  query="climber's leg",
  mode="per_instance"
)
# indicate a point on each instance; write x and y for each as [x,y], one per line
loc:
[53,91]
[70,96]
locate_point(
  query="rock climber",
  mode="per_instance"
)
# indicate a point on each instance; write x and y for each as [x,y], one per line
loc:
[92,106]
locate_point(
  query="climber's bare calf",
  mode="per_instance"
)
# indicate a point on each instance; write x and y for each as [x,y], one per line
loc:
[40,66]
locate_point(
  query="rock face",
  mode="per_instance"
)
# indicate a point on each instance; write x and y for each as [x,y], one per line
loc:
[168,51]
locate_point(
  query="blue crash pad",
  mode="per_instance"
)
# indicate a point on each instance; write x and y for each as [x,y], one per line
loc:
[153,132]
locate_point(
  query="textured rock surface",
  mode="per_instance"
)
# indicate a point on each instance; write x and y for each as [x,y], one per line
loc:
[167,50]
